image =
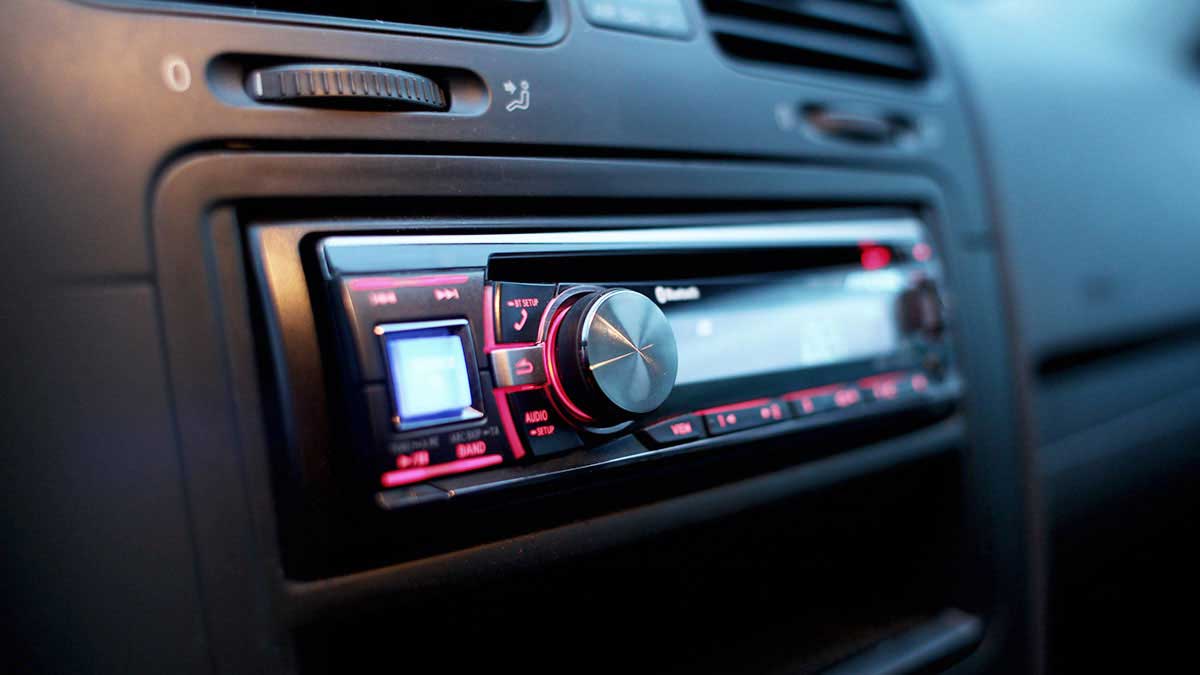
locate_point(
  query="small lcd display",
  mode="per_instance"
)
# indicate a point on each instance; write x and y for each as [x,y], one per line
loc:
[787,322]
[429,376]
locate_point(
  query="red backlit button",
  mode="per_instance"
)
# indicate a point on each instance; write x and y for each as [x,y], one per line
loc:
[897,386]
[810,404]
[850,396]
[545,433]
[519,310]
[674,431]
[738,417]
[889,387]
[888,390]
[919,383]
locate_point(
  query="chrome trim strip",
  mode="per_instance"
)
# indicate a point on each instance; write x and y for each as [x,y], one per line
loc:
[504,366]
[773,234]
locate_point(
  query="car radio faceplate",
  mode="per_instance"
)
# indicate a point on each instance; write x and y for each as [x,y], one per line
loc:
[475,362]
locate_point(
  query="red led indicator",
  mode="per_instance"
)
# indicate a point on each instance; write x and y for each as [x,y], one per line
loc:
[922,251]
[920,382]
[875,257]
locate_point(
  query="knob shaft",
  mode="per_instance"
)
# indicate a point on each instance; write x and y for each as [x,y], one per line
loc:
[613,357]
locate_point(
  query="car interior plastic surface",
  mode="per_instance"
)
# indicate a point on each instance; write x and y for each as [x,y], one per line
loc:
[590,335]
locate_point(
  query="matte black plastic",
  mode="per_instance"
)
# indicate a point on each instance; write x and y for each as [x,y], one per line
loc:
[918,649]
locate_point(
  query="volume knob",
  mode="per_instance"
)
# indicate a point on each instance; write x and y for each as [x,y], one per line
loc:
[611,355]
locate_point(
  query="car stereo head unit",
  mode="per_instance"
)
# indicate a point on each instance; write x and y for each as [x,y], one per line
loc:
[480,361]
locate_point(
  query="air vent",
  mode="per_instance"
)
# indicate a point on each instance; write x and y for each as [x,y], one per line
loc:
[866,37]
[519,20]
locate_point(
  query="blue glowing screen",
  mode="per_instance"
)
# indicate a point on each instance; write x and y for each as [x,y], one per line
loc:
[428,374]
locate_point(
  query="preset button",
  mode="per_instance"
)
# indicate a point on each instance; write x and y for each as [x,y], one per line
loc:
[519,310]
[544,432]
[674,431]
[746,416]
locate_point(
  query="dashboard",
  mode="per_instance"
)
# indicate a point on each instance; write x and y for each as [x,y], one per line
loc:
[754,336]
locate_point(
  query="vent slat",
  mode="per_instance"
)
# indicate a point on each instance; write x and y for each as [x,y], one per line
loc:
[817,42]
[855,36]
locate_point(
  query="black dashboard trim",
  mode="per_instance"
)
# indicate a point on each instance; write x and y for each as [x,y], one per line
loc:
[406,585]
[224,447]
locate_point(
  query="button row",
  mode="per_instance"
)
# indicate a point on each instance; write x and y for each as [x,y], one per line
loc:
[544,432]
[761,412]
